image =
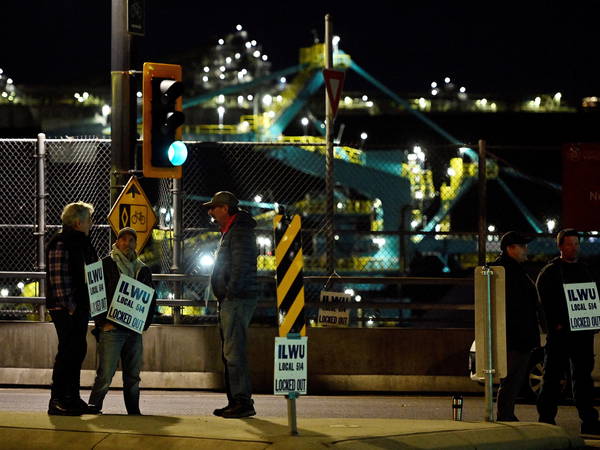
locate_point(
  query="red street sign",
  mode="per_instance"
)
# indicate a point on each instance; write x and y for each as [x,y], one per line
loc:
[581,187]
[334,82]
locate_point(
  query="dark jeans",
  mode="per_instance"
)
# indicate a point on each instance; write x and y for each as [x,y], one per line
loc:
[574,351]
[126,345]
[72,347]
[234,319]
[517,364]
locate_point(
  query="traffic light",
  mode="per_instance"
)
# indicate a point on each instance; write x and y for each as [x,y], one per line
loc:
[163,151]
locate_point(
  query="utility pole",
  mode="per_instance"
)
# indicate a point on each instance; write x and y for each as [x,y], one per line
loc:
[123,109]
[329,176]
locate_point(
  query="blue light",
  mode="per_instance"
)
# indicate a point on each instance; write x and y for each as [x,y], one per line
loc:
[177,153]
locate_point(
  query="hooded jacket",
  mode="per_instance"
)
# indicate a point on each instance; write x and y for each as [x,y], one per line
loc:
[234,272]
[522,306]
[552,295]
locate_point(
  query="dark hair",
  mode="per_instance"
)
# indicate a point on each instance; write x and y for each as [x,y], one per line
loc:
[232,210]
[562,234]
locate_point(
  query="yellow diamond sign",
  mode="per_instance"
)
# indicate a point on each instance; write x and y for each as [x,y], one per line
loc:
[132,209]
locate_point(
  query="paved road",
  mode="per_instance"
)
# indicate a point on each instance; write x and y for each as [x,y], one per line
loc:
[356,406]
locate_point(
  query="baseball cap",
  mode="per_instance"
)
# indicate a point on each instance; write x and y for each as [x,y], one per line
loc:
[126,230]
[514,237]
[222,198]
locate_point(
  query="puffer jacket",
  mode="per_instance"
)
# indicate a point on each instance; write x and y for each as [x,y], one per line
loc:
[234,272]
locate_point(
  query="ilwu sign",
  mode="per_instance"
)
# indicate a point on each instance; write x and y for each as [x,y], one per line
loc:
[330,316]
[130,304]
[94,275]
[290,365]
[583,306]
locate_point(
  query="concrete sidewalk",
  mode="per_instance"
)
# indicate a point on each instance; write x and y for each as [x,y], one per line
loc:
[112,432]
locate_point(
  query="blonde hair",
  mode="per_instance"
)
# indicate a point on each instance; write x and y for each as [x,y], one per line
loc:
[76,211]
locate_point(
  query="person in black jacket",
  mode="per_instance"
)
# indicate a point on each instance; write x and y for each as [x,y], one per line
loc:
[566,349]
[522,331]
[116,341]
[67,301]
[233,282]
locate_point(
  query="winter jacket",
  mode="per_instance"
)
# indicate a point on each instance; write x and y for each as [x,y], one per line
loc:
[234,272]
[522,329]
[79,252]
[552,295]
[111,279]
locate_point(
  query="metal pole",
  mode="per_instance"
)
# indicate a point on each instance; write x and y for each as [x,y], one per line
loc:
[329,180]
[177,241]
[291,409]
[489,369]
[41,218]
[481,256]
[122,112]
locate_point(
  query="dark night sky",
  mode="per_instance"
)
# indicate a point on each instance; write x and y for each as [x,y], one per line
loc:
[494,47]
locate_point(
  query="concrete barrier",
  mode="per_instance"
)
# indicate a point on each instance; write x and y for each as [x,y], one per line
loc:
[188,357]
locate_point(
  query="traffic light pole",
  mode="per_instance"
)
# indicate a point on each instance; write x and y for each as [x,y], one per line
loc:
[123,110]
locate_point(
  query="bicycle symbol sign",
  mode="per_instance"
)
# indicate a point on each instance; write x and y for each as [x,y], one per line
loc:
[133,209]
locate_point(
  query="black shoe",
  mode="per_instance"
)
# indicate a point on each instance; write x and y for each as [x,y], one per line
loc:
[58,407]
[93,409]
[219,411]
[591,428]
[238,411]
[508,419]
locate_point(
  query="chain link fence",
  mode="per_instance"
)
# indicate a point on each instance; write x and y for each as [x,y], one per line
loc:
[396,212]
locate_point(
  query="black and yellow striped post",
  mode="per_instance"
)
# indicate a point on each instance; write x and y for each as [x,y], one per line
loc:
[290,281]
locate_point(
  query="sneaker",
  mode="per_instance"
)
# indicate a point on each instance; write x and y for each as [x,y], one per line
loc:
[591,428]
[219,411]
[238,411]
[58,407]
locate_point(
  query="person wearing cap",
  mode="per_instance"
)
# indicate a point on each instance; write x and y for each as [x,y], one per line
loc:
[115,341]
[566,349]
[233,282]
[522,332]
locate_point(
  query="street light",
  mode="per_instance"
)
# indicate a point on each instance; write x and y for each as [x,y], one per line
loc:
[304,122]
[221,112]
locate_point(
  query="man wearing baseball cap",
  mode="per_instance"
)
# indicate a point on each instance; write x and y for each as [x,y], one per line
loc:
[522,332]
[566,349]
[233,282]
[115,341]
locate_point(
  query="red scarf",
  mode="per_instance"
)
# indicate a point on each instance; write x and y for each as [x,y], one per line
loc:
[227,226]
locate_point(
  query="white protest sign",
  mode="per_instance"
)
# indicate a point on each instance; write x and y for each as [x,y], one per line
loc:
[583,306]
[331,316]
[94,275]
[290,365]
[130,304]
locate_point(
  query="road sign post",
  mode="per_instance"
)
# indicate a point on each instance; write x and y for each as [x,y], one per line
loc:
[291,347]
[490,329]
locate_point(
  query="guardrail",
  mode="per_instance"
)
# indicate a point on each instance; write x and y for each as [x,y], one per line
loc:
[178,303]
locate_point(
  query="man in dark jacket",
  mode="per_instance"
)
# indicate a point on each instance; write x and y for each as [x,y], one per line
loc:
[233,282]
[115,341]
[522,332]
[67,301]
[566,349]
